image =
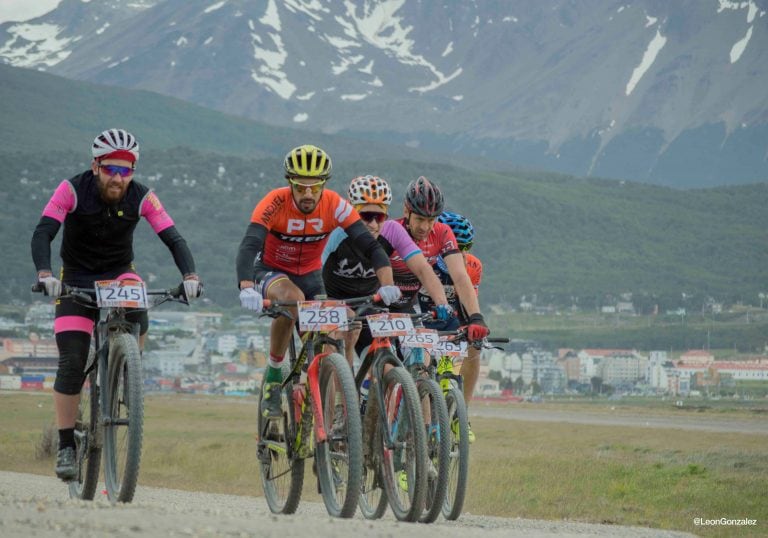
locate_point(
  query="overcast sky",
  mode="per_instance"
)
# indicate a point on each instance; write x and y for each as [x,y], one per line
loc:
[22,10]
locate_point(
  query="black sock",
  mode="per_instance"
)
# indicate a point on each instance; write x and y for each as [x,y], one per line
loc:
[66,438]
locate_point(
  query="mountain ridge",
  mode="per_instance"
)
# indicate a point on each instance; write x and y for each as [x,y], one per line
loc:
[644,90]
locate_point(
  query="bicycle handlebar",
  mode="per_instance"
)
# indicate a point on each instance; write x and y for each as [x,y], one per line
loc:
[354,301]
[89,294]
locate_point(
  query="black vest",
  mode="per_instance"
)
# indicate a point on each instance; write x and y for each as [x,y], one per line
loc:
[98,237]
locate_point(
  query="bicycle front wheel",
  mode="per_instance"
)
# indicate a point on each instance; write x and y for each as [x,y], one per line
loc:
[458,467]
[87,443]
[404,462]
[124,426]
[373,497]
[280,466]
[438,447]
[340,457]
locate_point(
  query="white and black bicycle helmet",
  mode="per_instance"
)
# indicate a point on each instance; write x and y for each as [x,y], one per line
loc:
[116,144]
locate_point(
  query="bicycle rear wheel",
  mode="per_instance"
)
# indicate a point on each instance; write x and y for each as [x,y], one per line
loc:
[88,445]
[280,467]
[438,448]
[123,428]
[458,468]
[340,458]
[404,464]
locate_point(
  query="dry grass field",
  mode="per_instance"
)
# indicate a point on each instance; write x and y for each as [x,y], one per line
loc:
[603,474]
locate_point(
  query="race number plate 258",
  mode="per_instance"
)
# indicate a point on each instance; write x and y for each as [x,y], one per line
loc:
[121,293]
[389,324]
[321,315]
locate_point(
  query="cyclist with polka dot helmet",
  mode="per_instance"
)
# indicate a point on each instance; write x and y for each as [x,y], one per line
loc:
[349,273]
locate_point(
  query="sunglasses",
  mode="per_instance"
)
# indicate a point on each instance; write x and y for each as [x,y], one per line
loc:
[465,247]
[113,170]
[302,187]
[369,216]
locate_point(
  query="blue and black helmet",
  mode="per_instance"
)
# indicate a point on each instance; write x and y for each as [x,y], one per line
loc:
[461,226]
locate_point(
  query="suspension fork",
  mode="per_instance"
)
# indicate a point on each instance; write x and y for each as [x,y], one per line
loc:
[313,380]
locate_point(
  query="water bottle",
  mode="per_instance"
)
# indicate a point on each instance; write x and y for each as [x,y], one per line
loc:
[364,395]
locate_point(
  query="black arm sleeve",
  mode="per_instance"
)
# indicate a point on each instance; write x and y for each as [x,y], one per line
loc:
[250,247]
[366,244]
[44,233]
[178,247]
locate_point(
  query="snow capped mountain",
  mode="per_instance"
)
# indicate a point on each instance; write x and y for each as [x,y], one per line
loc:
[669,92]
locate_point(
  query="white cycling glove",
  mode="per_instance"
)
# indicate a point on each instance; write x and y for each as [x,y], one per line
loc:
[193,288]
[52,285]
[389,294]
[251,299]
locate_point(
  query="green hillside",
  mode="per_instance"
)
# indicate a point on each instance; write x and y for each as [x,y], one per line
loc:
[553,239]
[562,239]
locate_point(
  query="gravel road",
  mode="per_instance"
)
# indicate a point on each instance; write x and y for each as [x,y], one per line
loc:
[32,505]
[753,425]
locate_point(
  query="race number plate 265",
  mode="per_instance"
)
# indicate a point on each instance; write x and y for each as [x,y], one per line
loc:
[121,293]
[426,338]
[321,315]
[388,324]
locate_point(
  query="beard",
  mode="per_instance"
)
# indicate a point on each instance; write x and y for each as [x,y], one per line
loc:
[112,191]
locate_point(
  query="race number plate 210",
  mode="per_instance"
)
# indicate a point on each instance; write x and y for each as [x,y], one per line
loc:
[388,324]
[121,293]
[321,315]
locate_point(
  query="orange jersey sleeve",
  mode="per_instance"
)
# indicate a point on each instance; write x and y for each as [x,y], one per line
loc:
[474,270]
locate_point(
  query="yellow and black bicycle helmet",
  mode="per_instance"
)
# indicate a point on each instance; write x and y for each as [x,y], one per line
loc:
[307,161]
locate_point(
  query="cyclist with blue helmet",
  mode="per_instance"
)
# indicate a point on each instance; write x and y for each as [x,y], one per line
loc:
[465,236]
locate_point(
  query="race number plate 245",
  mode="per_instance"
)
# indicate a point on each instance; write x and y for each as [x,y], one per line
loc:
[121,293]
[321,315]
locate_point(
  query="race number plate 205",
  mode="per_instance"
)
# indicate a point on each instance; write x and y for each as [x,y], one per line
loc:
[321,315]
[389,324]
[121,293]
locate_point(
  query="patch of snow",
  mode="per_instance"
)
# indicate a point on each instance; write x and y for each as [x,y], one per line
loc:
[368,69]
[312,8]
[305,97]
[271,17]
[740,46]
[182,42]
[448,50]
[654,47]
[34,44]
[376,82]
[301,117]
[354,97]
[458,97]
[650,21]
[214,7]
[208,41]
[509,19]
[114,64]
[102,29]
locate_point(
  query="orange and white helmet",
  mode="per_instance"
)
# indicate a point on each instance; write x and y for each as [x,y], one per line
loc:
[369,190]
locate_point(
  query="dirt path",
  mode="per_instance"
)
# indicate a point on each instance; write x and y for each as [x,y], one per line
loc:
[32,505]
[687,421]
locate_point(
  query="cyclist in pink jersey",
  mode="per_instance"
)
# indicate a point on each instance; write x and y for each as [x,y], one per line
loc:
[99,210]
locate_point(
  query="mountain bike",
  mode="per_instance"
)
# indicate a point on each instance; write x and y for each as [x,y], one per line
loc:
[453,344]
[320,415]
[111,410]
[394,436]
[415,346]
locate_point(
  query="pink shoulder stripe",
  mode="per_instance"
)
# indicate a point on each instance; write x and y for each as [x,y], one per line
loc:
[152,210]
[62,202]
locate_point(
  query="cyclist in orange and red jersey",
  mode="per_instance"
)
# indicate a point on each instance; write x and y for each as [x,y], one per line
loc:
[465,234]
[280,255]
